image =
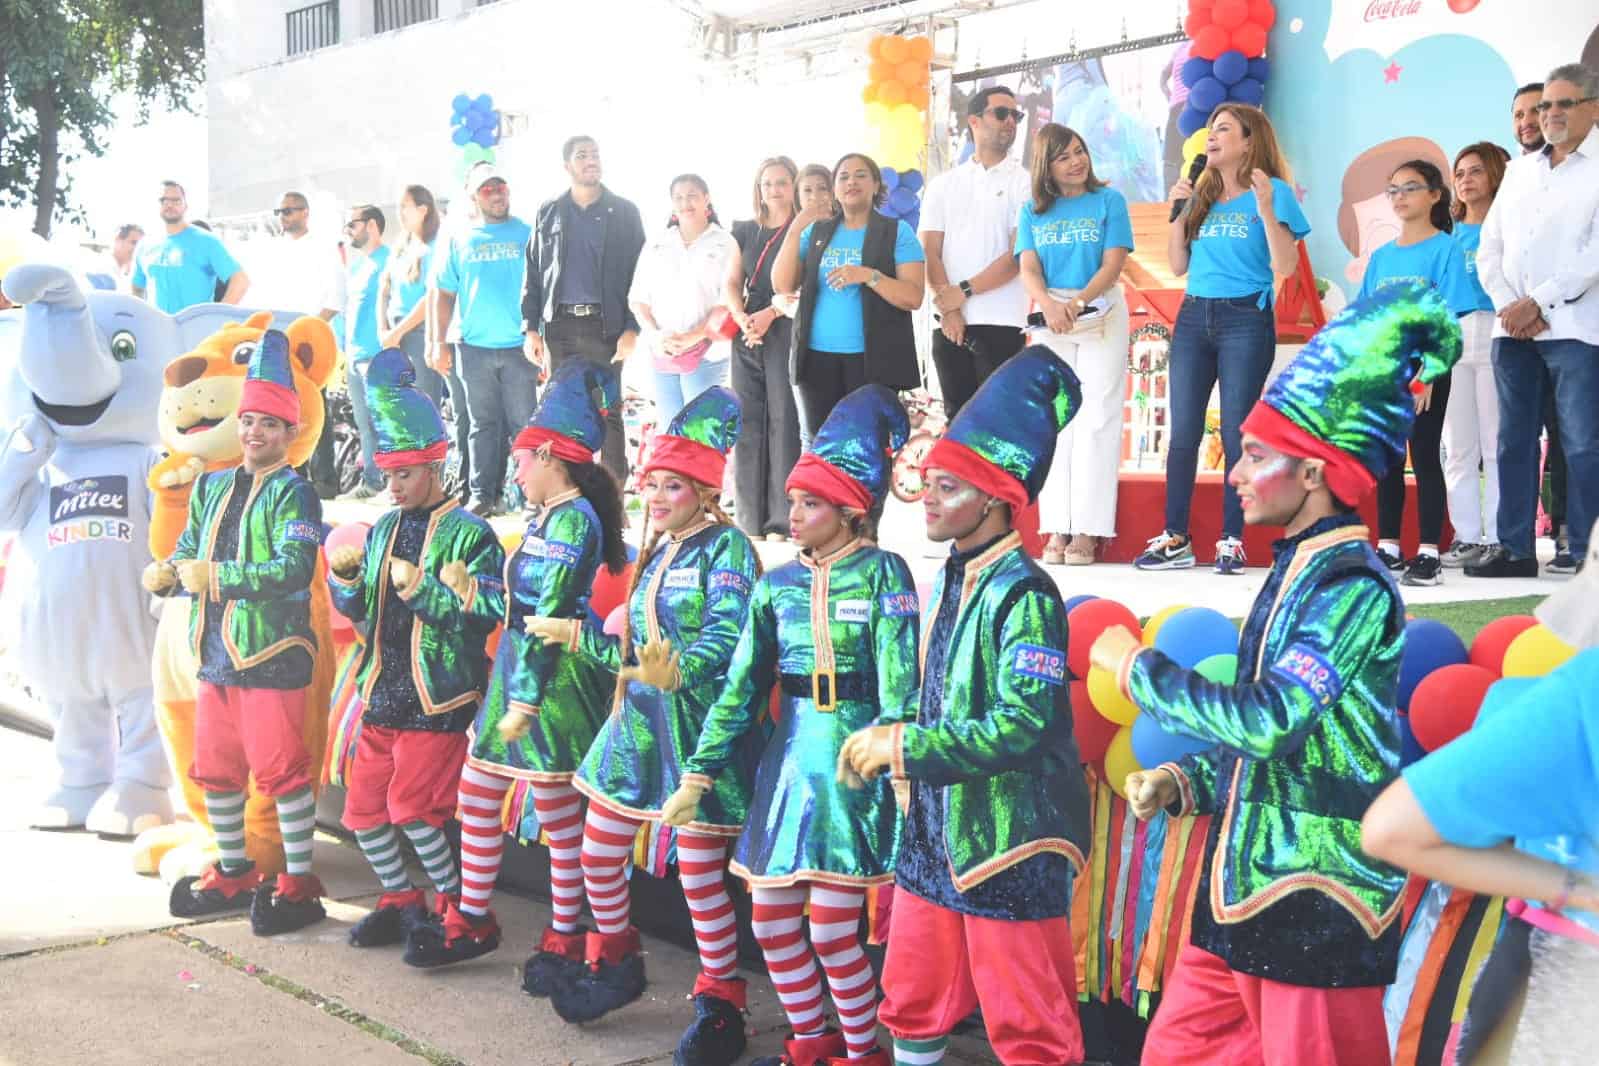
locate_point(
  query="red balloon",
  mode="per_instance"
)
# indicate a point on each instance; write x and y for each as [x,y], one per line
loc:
[1195,22]
[350,533]
[1445,704]
[1093,730]
[1230,14]
[1201,5]
[1211,41]
[1250,39]
[609,590]
[1460,7]
[491,646]
[1084,625]
[1263,12]
[1488,649]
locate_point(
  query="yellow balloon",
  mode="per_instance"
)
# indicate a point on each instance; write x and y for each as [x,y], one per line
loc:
[876,114]
[1157,620]
[1107,698]
[1120,761]
[511,540]
[1535,652]
[1194,145]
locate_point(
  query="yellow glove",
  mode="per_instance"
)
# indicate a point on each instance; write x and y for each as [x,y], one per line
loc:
[683,806]
[515,725]
[865,754]
[196,576]
[557,631]
[401,573]
[158,577]
[1150,791]
[457,579]
[1112,647]
[345,561]
[657,667]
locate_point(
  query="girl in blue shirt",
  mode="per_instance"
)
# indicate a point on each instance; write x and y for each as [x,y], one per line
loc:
[1471,422]
[1236,237]
[401,308]
[1425,252]
[1072,239]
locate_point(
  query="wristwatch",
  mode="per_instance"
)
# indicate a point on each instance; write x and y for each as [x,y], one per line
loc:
[871,282]
[966,289]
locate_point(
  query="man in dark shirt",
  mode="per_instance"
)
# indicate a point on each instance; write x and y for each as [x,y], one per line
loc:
[580,263]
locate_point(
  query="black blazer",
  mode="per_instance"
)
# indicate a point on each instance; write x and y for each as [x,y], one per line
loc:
[890,338]
[624,238]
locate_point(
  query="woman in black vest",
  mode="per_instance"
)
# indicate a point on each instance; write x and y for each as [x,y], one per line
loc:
[860,275]
[768,443]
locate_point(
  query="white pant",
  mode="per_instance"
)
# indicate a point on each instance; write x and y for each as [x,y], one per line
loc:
[1471,436]
[1079,495]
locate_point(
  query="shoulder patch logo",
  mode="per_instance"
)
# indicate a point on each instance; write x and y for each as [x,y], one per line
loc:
[1306,669]
[304,531]
[729,579]
[1045,664]
[899,604]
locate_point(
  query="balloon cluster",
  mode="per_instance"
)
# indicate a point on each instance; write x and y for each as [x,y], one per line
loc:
[1442,683]
[896,97]
[1108,726]
[475,129]
[904,198]
[1228,61]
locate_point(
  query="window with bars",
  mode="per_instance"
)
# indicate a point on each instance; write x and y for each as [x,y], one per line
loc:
[392,14]
[312,27]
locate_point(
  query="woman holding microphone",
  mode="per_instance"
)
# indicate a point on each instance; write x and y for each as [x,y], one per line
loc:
[1234,239]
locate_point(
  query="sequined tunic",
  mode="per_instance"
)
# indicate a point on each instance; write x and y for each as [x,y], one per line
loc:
[549,575]
[694,591]
[843,628]
[1309,737]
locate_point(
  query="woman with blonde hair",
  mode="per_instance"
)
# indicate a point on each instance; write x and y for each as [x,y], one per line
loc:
[1232,234]
[1073,238]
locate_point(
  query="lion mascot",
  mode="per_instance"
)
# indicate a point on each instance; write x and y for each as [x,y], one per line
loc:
[200,431]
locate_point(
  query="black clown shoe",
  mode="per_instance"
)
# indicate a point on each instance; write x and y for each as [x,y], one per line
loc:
[214,892]
[291,904]
[456,938]
[558,962]
[614,977]
[390,920]
[716,1035]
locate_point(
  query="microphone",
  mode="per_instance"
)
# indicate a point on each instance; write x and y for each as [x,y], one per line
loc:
[1194,172]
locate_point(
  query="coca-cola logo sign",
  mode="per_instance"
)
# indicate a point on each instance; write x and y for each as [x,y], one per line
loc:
[1381,10]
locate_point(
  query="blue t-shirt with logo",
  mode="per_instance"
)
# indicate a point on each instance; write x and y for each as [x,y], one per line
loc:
[1229,257]
[1070,238]
[184,268]
[361,312]
[403,293]
[1469,235]
[838,323]
[1436,261]
[484,269]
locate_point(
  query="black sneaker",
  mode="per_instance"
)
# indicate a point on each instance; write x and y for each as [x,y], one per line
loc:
[1391,560]
[716,1035]
[1498,562]
[214,892]
[1564,562]
[390,921]
[1424,569]
[1169,551]
[290,904]
[558,962]
[602,988]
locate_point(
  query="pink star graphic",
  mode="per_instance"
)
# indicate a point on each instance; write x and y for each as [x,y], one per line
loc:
[1390,73]
[1299,192]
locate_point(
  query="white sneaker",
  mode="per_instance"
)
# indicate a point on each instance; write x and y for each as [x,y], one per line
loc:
[1230,556]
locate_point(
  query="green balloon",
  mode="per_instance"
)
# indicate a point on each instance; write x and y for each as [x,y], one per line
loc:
[1222,669]
[473,153]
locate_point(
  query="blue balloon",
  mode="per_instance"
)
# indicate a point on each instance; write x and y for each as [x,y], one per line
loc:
[913,219]
[1249,91]
[1205,94]
[1195,69]
[1231,67]
[1191,121]
[890,179]
[488,137]
[461,135]
[1152,745]
[912,180]
[1410,749]
[1428,645]
[1081,597]
[460,104]
[1193,635]
[1259,69]
[484,102]
[903,201]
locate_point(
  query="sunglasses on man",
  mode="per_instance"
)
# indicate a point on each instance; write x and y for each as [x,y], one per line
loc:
[1543,107]
[282,211]
[1003,114]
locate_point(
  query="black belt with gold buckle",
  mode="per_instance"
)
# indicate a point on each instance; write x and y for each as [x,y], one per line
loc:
[826,688]
[578,310]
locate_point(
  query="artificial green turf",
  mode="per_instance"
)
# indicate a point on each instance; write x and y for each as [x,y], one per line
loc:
[1468,616]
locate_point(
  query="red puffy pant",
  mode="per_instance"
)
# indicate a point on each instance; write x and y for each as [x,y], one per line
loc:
[1212,1015]
[244,731]
[942,964]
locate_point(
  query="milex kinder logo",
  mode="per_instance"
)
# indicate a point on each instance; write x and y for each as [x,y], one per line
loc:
[91,508]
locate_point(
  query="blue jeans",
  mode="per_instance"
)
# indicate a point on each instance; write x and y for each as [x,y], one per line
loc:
[501,391]
[1228,339]
[414,345]
[673,391]
[1573,374]
[370,475]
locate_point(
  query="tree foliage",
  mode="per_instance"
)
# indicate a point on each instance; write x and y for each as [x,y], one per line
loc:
[62,63]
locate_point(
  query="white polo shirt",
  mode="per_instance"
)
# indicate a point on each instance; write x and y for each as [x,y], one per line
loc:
[1541,239]
[302,274]
[682,282]
[976,208]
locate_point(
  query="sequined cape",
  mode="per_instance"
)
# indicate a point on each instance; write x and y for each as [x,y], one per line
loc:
[694,591]
[1002,754]
[447,633]
[843,627]
[549,575]
[1308,737]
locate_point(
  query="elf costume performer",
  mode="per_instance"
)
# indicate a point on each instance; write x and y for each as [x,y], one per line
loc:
[836,630]
[998,817]
[690,591]
[543,708]
[414,591]
[1295,928]
[248,556]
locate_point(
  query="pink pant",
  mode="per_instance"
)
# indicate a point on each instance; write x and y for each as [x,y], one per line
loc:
[244,731]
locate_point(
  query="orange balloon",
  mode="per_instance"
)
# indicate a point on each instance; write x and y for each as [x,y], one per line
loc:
[874,47]
[891,93]
[869,94]
[912,73]
[921,48]
[894,49]
[881,70]
[918,97]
